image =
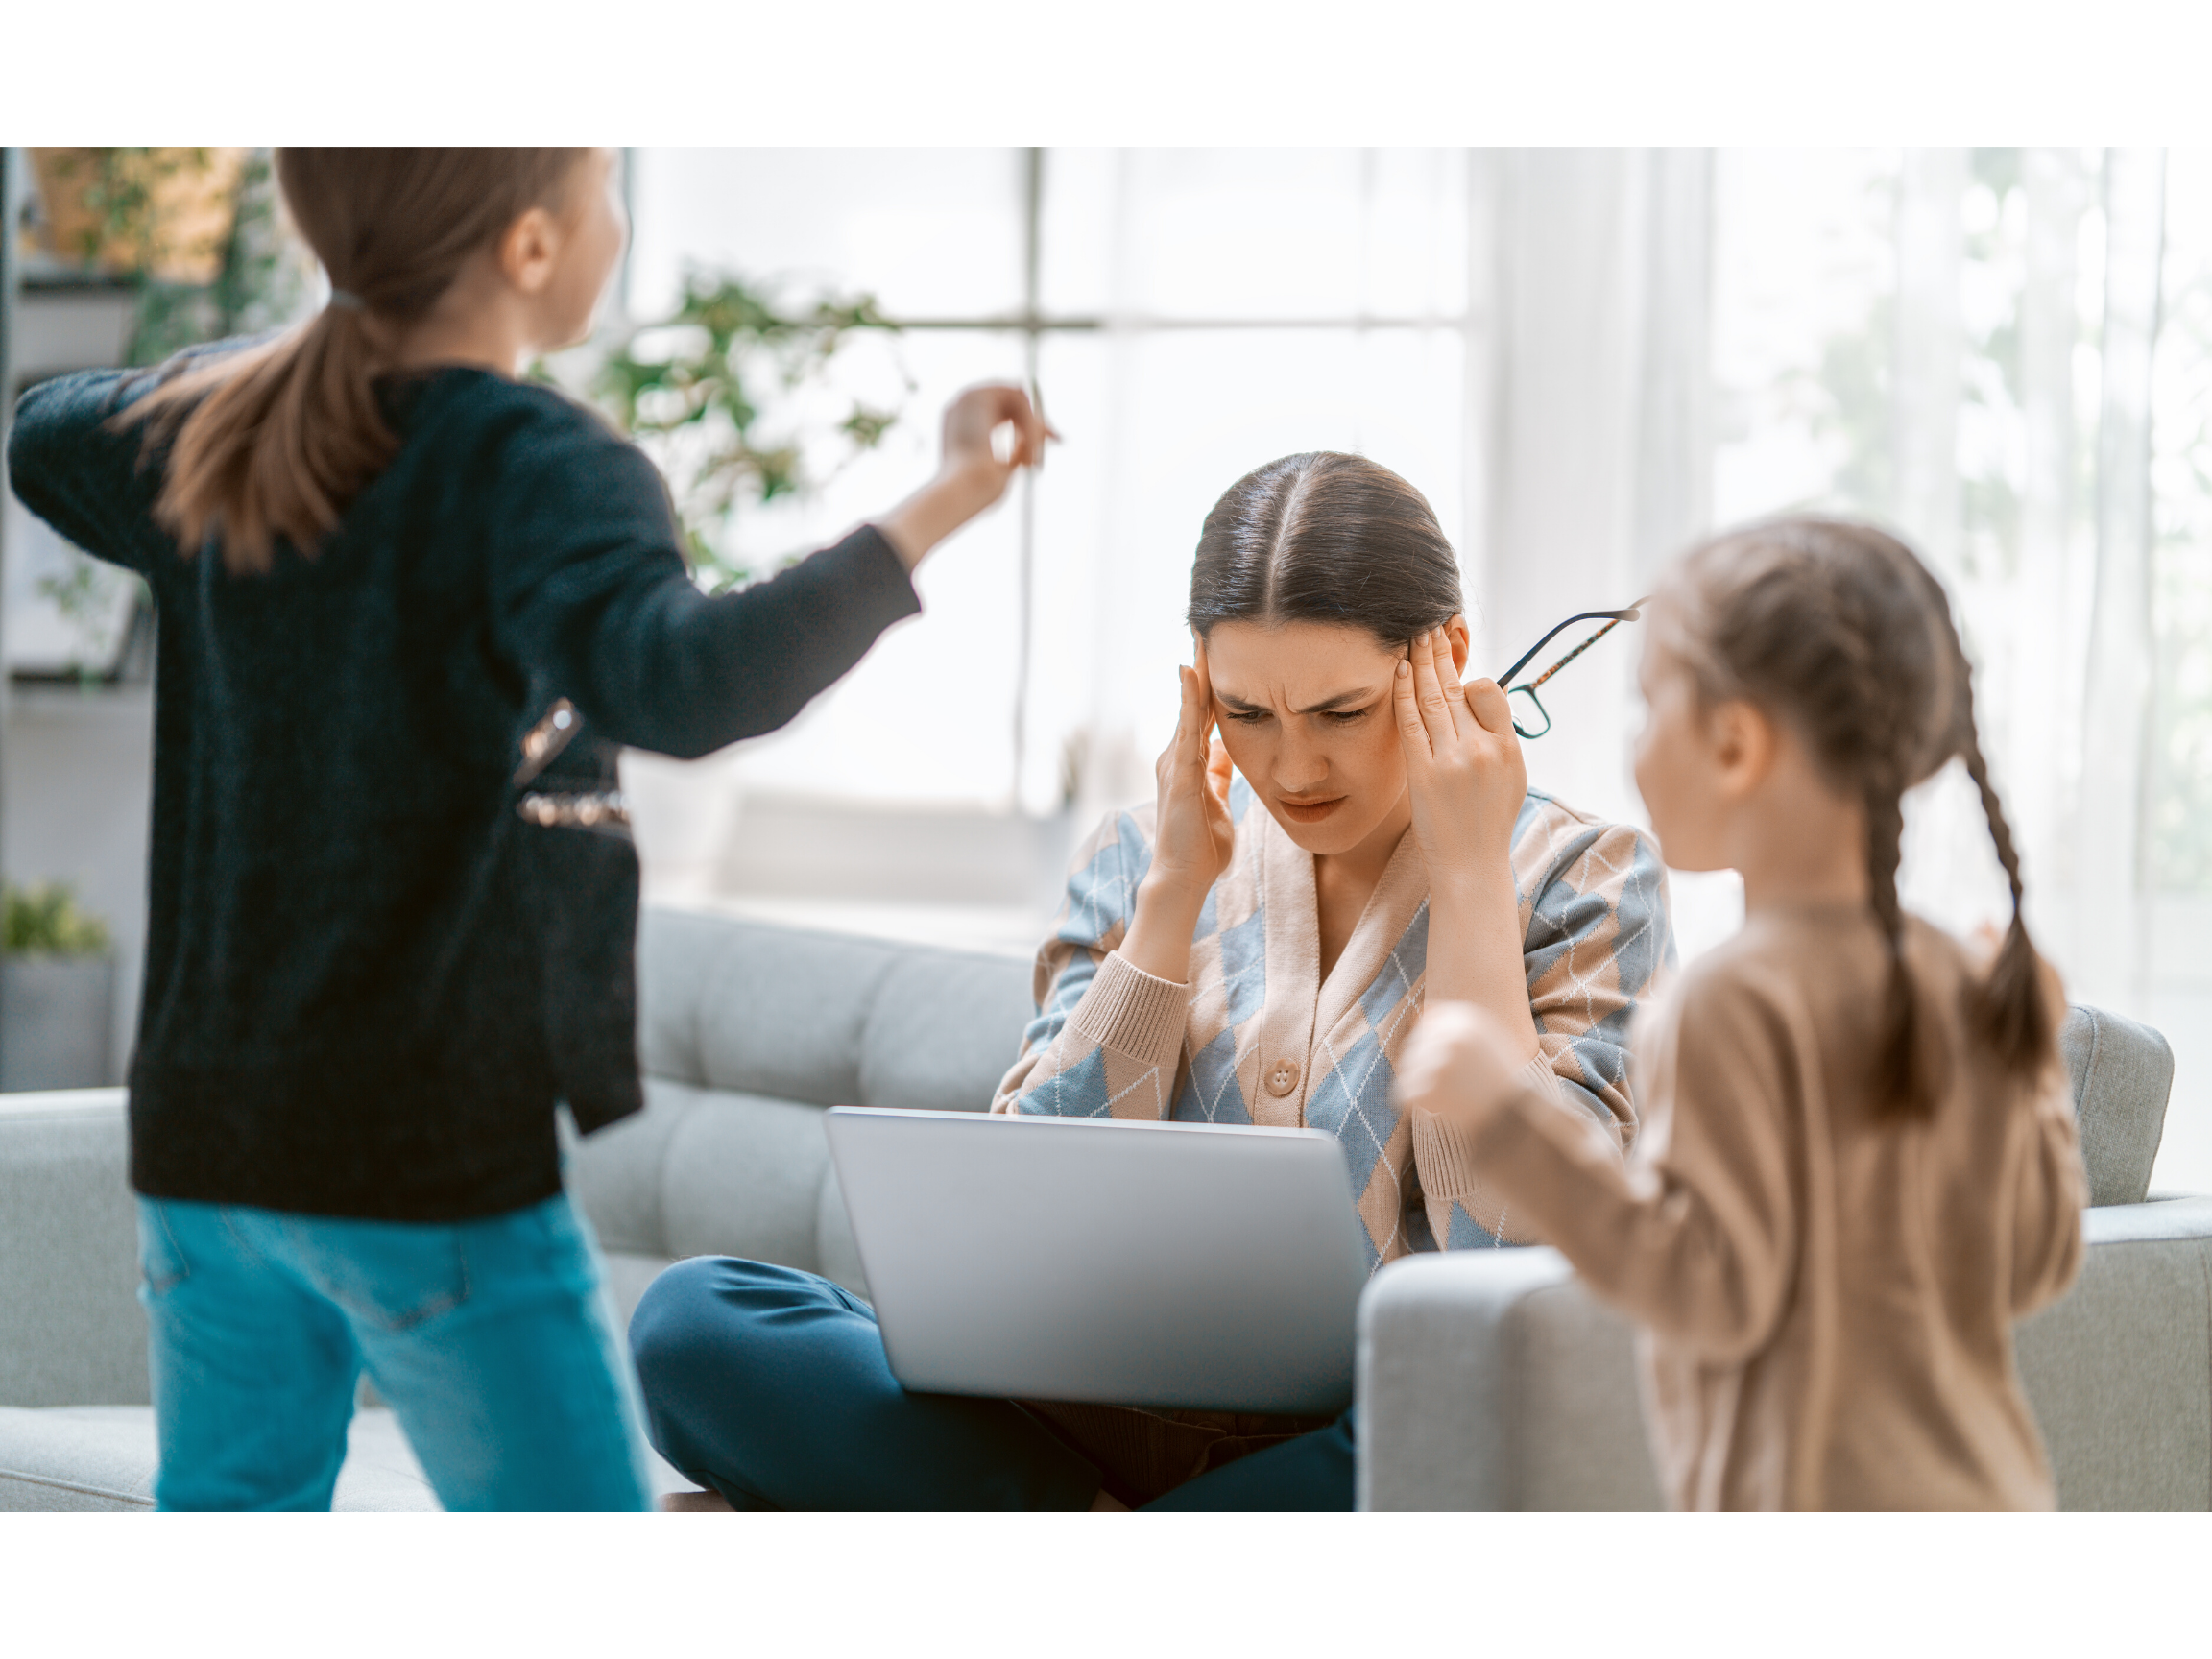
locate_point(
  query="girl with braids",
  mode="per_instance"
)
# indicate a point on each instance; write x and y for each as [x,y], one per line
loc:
[1859,1164]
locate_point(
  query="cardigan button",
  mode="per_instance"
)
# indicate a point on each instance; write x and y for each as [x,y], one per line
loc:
[1282,1077]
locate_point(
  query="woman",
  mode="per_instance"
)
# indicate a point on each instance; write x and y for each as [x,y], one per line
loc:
[1217,964]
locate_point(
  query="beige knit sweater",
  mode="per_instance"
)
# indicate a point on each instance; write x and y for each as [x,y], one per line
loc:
[1826,1298]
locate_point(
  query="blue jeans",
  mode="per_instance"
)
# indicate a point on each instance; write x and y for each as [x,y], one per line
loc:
[491,1340]
[771,1386]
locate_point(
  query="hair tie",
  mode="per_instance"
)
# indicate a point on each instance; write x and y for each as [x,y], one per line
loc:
[345,300]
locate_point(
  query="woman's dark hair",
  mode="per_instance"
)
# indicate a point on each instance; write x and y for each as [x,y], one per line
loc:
[276,440]
[1325,538]
[1839,630]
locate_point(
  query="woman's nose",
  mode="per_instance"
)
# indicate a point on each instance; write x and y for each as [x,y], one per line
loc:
[1298,768]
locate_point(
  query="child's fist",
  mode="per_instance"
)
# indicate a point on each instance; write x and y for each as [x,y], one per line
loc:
[1458,1063]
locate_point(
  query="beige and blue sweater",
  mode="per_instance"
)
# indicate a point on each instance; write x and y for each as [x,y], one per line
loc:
[1258,1036]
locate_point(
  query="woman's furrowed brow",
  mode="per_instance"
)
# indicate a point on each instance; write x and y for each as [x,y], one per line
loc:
[1327,705]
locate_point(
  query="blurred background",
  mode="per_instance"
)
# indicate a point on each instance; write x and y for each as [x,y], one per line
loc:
[1583,358]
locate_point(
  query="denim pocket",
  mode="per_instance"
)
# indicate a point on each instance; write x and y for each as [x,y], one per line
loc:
[393,1275]
[161,1262]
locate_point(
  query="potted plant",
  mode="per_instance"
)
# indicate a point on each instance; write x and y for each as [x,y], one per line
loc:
[727,396]
[57,990]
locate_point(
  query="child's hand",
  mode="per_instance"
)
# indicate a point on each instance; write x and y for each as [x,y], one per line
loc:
[971,422]
[973,472]
[1459,1064]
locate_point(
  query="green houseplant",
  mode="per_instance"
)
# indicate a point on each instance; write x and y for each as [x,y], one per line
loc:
[710,391]
[57,990]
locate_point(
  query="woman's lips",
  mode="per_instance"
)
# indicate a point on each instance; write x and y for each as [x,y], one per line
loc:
[1309,811]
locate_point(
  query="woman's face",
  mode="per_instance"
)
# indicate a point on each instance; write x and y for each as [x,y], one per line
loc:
[1305,712]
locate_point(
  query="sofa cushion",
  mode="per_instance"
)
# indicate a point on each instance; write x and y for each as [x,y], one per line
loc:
[942,1029]
[706,1171]
[747,1006]
[744,1178]
[71,1332]
[2123,1074]
[102,1458]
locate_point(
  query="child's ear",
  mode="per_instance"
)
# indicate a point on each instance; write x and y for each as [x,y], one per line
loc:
[1743,742]
[529,250]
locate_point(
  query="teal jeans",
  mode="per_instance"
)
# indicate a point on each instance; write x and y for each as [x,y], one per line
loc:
[491,1340]
[771,1386]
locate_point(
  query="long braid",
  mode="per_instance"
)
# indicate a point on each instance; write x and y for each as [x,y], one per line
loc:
[2009,1010]
[1907,1089]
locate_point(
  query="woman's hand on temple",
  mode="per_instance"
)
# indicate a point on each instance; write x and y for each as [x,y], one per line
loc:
[1192,839]
[1463,763]
[1467,778]
[971,473]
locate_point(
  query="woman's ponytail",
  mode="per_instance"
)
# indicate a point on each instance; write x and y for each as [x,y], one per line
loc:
[271,442]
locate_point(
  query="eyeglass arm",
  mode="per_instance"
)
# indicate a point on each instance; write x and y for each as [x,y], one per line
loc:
[1631,615]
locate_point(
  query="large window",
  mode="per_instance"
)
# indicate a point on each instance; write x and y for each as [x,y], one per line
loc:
[1187,316]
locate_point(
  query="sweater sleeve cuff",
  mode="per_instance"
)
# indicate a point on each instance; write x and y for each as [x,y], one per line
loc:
[1443,1150]
[1132,1012]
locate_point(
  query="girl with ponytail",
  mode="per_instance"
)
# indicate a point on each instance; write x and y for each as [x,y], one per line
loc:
[395,583]
[1859,1165]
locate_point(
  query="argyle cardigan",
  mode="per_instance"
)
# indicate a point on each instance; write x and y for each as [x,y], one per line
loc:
[1257,1035]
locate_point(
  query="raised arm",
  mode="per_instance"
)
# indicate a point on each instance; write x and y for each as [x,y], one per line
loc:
[590,590]
[1693,1238]
[70,465]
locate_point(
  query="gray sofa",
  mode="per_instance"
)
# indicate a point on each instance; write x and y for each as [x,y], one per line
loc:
[1486,1381]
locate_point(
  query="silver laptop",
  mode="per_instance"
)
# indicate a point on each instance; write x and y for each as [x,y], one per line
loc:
[1163,1264]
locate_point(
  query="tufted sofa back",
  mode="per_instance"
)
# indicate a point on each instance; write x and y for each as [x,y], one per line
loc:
[747,1031]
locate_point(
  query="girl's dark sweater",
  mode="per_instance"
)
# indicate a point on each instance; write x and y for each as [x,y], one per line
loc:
[368,980]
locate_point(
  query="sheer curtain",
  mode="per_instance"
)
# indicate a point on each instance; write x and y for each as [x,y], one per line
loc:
[2003,355]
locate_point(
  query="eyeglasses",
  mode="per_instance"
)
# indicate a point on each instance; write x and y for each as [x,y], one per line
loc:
[1612,620]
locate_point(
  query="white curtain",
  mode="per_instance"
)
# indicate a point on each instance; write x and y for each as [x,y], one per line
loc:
[1968,346]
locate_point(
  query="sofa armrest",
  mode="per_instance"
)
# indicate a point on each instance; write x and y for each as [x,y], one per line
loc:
[71,1332]
[2118,1370]
[2123,1074]
[1491,1380]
